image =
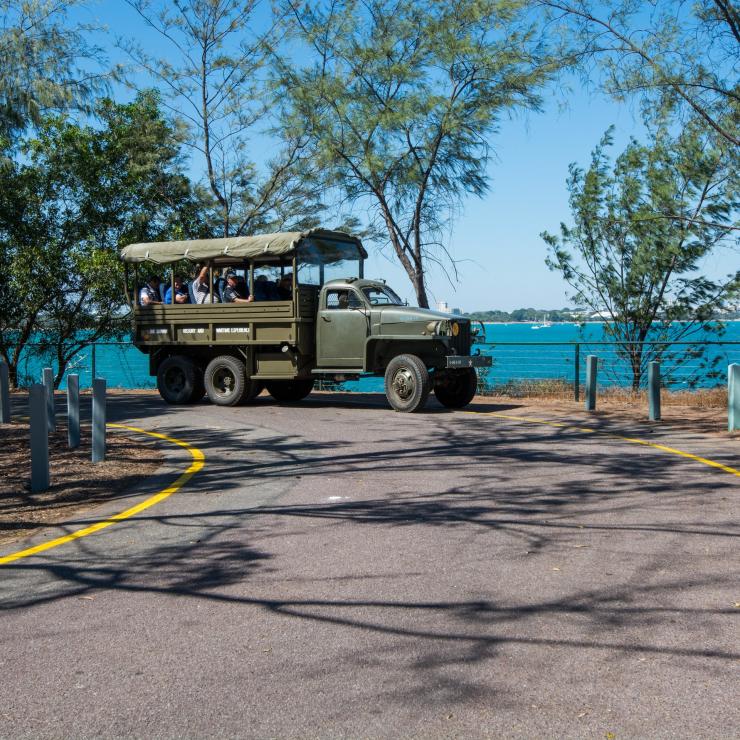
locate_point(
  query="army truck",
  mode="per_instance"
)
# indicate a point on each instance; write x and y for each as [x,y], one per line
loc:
[331,323]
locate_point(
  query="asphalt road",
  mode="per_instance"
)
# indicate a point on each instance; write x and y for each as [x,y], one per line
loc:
[340,570]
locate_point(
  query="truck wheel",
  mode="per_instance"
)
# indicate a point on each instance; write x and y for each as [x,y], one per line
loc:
[289,390]
[407,383]
[253,389]
[455,388]
[226,380]
[179,380]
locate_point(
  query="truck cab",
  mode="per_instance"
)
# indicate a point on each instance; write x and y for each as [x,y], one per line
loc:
[322,326]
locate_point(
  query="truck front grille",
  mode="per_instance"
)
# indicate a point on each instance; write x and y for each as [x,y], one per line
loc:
[461,343]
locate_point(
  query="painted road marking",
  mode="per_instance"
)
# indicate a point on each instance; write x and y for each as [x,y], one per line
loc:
[633,440]
[196,465]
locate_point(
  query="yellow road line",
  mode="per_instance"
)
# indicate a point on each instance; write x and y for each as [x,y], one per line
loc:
[634,440]
[196,465]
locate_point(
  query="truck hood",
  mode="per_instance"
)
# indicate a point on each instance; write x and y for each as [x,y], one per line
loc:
[406,314]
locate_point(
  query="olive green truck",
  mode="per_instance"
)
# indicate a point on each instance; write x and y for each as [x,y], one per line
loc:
[323,324]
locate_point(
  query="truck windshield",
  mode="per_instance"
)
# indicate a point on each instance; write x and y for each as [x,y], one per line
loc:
[382,296]
[320,260]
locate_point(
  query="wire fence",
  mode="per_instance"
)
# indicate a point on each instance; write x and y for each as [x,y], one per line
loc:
[518,368]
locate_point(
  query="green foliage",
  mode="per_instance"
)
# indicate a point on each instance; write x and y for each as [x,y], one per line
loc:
[398,101]
[213,78]
[642,227]
[78,194]
[41,58]
[674,56]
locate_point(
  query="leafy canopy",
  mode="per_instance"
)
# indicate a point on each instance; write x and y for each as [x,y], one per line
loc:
[398,101]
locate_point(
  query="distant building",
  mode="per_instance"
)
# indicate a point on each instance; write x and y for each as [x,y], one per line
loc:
[444,307]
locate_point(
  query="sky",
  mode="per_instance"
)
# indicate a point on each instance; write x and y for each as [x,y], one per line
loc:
[496,239]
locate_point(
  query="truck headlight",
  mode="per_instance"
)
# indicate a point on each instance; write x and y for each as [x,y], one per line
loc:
[455,328]
[440,328]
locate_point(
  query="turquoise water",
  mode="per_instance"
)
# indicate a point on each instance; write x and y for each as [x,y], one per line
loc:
[534,354]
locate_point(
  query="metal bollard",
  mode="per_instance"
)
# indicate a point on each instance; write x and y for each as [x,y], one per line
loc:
[4,394]
[49,385]
[654,391]
[73,411]
[98,420]
[592,364]
[733,398]
[39,438]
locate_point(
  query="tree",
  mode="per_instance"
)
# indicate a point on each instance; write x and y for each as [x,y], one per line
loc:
[47,63]
[77,195]
[677,56]
[641,229]
[398,100]
[214,79]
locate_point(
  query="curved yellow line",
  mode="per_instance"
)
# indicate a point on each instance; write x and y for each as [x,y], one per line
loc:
[634,440]
[196,465]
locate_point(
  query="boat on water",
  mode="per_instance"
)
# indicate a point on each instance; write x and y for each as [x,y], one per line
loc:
[544,323]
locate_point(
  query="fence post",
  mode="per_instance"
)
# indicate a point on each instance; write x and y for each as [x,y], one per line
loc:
[733,398]
[37,402]
[93,365]
[654,391]
[4,394]
[577,373]
[98,420]
[73,411]
[49,386]
[592,363]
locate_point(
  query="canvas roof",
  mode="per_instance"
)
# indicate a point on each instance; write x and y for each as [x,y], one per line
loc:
[241,247]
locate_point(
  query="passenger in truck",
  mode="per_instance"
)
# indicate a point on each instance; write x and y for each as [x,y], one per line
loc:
[149,294]
[234,292]
[181,293]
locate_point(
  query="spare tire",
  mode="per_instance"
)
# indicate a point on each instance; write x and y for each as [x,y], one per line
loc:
[289,390]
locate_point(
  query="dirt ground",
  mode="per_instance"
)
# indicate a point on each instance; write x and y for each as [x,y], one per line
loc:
[77,484]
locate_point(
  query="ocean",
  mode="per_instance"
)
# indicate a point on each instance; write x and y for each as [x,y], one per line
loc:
[521,353]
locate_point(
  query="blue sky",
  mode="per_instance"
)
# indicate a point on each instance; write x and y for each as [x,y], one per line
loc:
[496,239]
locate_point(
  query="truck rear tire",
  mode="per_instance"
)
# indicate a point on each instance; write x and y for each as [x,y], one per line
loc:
[407,383]
[226,381]
[455,388]
[289,390]
[179,380]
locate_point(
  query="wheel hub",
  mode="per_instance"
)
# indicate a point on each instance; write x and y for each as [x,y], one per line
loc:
[223,381]
[403,383]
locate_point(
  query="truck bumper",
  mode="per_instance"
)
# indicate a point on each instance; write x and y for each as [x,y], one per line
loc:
[458,361]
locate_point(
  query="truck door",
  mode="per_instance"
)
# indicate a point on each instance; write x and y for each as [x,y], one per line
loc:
[342,328]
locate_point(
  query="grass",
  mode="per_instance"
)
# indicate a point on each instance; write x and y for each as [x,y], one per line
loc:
[555,389]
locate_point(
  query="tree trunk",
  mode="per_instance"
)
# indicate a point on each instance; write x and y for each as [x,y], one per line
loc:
[417,280]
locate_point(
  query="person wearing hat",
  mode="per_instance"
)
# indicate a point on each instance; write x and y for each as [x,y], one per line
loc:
[235,293]
[149,294]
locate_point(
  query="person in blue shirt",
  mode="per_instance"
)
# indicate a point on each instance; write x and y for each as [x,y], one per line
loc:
[181,294]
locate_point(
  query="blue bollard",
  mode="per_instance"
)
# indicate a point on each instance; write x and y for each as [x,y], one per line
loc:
[37,402]
[49,386]
[4,394]
[73,411]
[733,398]
[592,364]
[98,420]
[654,391]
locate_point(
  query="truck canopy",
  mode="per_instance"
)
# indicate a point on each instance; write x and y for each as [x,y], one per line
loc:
[321,245]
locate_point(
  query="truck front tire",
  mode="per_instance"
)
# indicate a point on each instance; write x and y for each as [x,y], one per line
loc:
[455,388]
[226,381]
[180,380]
[407,383]
[289,390]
